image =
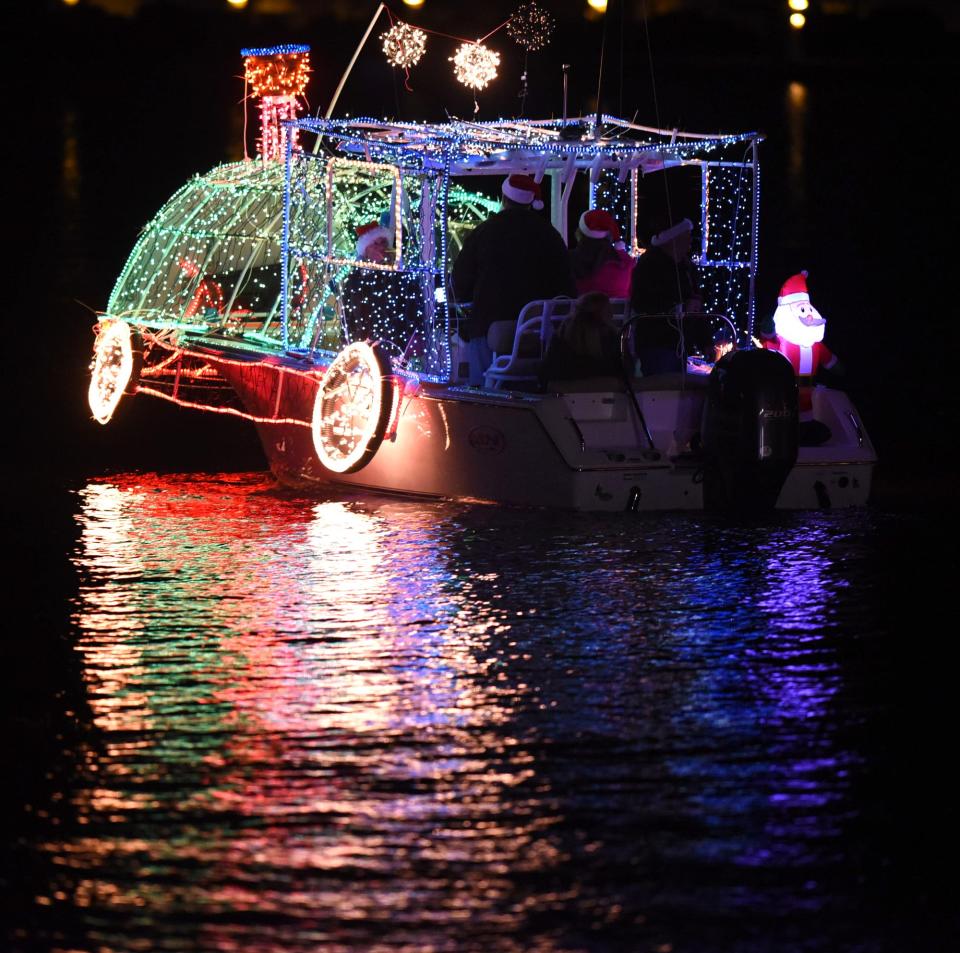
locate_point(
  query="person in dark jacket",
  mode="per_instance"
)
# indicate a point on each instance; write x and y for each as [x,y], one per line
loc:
[378,304]
[664,282]
[512,258]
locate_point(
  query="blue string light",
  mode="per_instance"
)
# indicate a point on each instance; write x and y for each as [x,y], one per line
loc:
[283,48]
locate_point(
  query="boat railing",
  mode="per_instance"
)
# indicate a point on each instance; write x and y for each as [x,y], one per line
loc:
[519,346]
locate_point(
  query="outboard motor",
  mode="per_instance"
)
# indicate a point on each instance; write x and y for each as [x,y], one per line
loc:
[749,431]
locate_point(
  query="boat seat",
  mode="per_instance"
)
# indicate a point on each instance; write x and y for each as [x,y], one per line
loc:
[519,346]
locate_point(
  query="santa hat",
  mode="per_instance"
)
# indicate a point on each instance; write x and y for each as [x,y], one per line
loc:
[794,289]
[523,190]
[368,234]
[674,231]
[598,223]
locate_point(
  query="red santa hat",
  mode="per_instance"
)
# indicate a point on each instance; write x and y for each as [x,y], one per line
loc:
[368,234]
[523,190]
[794,289]
[599,223]
[674,231]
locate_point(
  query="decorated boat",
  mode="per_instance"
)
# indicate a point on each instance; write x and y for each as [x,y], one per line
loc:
[249,294]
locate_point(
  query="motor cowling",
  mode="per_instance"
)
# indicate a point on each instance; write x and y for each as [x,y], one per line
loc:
[749,430]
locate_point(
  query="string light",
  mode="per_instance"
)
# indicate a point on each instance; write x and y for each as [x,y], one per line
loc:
[111,370]
[352,405]
[404,45]
[278,75]
[277,70]
[475,65]
[530,27]
[220,230]
[727,255]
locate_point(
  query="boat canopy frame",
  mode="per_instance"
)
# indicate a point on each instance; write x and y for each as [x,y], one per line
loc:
[616,156]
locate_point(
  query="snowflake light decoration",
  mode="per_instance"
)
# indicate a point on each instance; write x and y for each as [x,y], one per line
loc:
[475,65]
[530,27]
[403,45]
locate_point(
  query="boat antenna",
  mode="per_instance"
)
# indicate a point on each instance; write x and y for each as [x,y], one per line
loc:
[620,98]
[653,78]
[603,47]
[659,124]
[524,88]
[356,53]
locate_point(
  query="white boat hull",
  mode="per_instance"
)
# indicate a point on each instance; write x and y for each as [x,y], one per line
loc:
[579,451]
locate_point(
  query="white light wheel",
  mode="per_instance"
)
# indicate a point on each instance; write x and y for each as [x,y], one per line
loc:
[115,368]
[352,407]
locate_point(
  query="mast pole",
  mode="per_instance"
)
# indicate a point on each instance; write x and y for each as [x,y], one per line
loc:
[356,53]
[754,235]
[603,48]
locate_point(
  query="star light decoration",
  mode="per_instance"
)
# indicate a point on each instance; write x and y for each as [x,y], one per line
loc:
[530,27]
[475,65]
[403,45]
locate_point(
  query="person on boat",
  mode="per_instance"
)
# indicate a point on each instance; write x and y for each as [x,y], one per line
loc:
[665,282]
[587,344]
[374,242]
[798,337]
[514,257]
[600,261]
[380,304]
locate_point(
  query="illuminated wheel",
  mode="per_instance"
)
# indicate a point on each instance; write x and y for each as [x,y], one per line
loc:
[352,408]
[117,357]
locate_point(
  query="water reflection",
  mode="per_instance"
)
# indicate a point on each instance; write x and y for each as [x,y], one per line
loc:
[285,694]
[320,723]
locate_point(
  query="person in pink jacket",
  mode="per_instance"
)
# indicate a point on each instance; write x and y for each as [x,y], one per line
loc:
[599,261]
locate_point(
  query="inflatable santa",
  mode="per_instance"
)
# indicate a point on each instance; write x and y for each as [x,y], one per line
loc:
[799,336]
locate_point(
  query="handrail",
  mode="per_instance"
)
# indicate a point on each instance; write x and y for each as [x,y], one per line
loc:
[624,357]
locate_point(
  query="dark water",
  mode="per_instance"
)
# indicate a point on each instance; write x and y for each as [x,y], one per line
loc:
[240,719]
[334,723]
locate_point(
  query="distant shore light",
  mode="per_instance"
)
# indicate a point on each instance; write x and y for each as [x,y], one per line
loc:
[799,5]
[239,4]
[600,5]
[413,3]
[797,20]
[70,3]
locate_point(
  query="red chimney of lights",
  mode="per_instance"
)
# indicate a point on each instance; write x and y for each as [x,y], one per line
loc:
[277,75]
